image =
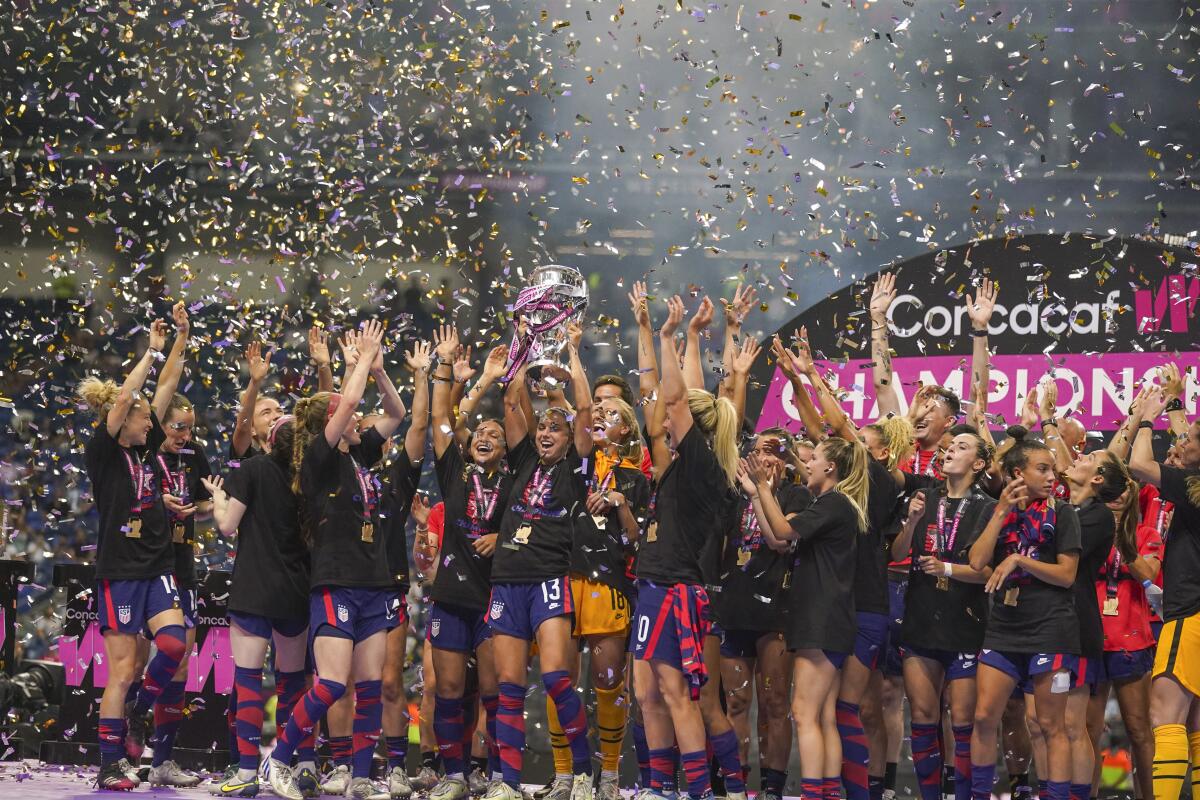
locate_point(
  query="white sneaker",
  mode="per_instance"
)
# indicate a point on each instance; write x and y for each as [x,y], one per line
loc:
[610,789]
[338,781]
[279,776]
[398,784]
[450,789]
[561,789]
[581,788]
[367,789]
[169,773]
[130,771]
[502,791]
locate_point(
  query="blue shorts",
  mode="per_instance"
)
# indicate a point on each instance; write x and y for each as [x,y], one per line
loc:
[354,614]
[836,658]
[655,633]
[1156,626]
[1127,665]
[893,660]
[458,629]
[128,606]
[266,627]
[1089,673]
[955,665]
[187,604]
[741,643]
[519,609]
[1023,667]
[398,609]
[871,641]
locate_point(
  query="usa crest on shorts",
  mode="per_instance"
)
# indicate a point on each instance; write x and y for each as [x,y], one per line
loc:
[124,614]
[435,628]
[343,614]
[497,609]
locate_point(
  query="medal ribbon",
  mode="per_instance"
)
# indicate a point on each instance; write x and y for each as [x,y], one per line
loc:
[137,475]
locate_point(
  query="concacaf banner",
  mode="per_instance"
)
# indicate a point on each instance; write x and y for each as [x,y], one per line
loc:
[1098,315]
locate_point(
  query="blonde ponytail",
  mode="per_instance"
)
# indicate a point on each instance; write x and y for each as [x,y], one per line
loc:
[850,460]
[98,394]
[898,432]
[718,419]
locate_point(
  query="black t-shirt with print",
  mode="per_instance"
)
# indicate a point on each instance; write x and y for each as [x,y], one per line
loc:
[404,477]
[464,578]
[693,506]
[755,578]
[1097,529]
[952,619]
[1043,620]
[116,472]
[182,473]
[602,553]
[1181,550]
[333,484]
[871,556]
[821,604]
[544,507]
[271,568]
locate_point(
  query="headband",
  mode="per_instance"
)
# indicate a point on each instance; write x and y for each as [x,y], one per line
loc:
[276,425]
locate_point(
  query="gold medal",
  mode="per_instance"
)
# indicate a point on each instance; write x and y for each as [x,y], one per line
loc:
[652,532]
[1110,607]
[135,528]
[943,583]
[600,521]
[368,533]
[1010,596]
[177,532]
[521,535]
[743,558]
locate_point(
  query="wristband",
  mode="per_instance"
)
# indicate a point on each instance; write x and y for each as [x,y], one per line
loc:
[1145,425]
[1174,405]
[948,569]
[979,333]
[1052,421]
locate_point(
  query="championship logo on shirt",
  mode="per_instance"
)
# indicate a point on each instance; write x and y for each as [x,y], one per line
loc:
[435,628]
[497,609]
[343,613]
[124,614]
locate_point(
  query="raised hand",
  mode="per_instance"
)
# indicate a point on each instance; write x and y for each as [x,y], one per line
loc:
[461,368]
[881,298]
[639,305]
[370,343]
[574,334]
[349,344]
[703,318]
[179,315]
[1015,493]
[783,358]
[158,335]
[1154,404]
[318,346]
[802,360]
[496,364]
[215,485]
[1171,380]
[420,509]
[1029,410]
[759,472]
[420,357]
[1048,407]
[747,354]
[741,305]
[744,479]
[445,343]
[257,364]
[675,313]
[980,307]
[916,508]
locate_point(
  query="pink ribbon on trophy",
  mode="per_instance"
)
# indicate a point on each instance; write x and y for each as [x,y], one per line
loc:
[534,298]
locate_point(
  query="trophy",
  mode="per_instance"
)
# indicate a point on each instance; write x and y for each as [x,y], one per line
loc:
[555,296]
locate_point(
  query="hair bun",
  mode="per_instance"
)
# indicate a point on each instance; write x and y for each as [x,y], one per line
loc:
[1017,432]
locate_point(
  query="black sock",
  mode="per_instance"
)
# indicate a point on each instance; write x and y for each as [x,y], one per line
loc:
[715,777]
[480,763]
[1018,785]
[429,759]
[772,779]
[947,779]
[889,776]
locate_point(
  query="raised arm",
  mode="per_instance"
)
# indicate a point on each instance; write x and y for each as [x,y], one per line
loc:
[835,416]
[735,315]
[227,512]
[1048,408]
[693,367]
[445,343]
[902,545]
[368,343]
[1122,440]
[979,309]
[743,362]
[647,354]
[347,342]
[790,366]
[777,540]
[418,360]
[393,406]
[136,378]
[318,354]
[516,428]
[583,392]
[1142,465]
[674,389]
[1173,388]
[886,395]
[257,367]
[172,371]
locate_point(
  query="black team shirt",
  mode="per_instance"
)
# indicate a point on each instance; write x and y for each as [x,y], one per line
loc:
[871,556]
[474,504]
[116,474]
[600,553]
[271,569]
[181,473]
[691,511]
[1181,553]
[1097,529]
[821,602]
[334,483]
[403,478]
[543,510]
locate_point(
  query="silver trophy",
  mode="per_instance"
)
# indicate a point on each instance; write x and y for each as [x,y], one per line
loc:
[555,296]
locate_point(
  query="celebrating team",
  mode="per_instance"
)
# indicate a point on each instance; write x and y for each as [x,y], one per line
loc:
[1005,591]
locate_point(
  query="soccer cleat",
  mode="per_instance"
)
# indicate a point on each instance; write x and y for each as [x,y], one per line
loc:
[502,791]
[306,781]
[399,786]
[450,789]
[279,776]
[130,771]
[560,789]
[367,789]
[540,794]
[338,781]
[610,789]
[735,796]
[169,773]
[581,787]
[771,794]
[426,779]
[478,782]
[113,779]
[233,786]
[135,733]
